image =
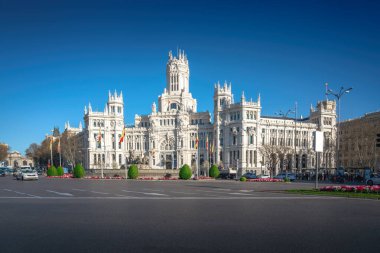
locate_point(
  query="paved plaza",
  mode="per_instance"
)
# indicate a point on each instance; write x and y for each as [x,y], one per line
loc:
[62,215]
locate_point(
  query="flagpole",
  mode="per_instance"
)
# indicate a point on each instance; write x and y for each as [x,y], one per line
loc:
[60,158]
[105,157]
[51,152]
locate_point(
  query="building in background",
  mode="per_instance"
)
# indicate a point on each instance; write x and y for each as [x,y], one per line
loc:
[358,139]
[175,133]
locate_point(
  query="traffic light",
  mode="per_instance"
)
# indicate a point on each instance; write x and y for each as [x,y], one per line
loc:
[378,141]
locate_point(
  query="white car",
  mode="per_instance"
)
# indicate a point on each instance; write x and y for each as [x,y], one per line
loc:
[27,174]
[264,176]
[373,179]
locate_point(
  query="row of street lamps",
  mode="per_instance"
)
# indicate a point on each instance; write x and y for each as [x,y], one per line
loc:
[338,95]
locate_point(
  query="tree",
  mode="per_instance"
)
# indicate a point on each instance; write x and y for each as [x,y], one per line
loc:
[271,154]
[52,171]
[78,171]
[214,171]
[133,171]
[3,151]
[33,152]
[185,172]
[71,148]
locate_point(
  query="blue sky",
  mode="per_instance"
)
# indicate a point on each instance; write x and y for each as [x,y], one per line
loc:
[57,57]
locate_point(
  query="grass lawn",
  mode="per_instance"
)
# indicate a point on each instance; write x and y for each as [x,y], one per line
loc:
[337,194]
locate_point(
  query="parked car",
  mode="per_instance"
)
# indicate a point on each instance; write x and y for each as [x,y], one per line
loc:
[264,176]
[27,174]
[284,175]
[250,175]
[2,172]
[373,179]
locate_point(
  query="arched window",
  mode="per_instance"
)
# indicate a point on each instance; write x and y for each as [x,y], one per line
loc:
[173,106]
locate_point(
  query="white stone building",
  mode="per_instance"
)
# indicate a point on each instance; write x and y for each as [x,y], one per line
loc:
[167,137]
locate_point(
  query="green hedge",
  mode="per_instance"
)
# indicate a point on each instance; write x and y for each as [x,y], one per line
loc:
[214,171]
[243,179]
[78,171]
[133,171]
[52,171]
[60,171]
[185,172]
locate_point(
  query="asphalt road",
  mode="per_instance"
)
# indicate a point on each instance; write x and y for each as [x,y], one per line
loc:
[63,215]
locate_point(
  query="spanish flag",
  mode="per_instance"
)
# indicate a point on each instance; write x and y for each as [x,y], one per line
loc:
[122,135]
[59,145]
[51,143]
[196,143]
[99,137]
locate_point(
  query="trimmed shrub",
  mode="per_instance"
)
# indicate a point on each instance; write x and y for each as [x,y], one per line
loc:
[214,171]
[286,180]
[52,171]
[243,179]
[78,171]
[133,171]
[60,171]
[185,172]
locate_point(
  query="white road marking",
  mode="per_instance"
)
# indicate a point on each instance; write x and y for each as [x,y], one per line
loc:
[105,193]
[61,193]
[153,190]
[81,190]
[21,193]
[190,193]
[220,189]
[246,190]
[147,193]
[239,193]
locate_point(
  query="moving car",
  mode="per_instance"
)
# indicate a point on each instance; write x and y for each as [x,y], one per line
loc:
[373,179]
[284,175]
[27,174]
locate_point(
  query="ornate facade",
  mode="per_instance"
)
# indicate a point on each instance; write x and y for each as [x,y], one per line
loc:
[168,137]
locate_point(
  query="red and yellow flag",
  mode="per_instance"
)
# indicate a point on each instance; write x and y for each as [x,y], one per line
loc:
[99,137]
[196,143]
[207,142]
[122,135]
[51,142]
[59,145]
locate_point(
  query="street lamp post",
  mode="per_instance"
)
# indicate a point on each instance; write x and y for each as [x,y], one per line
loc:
[285,116]
[338,96]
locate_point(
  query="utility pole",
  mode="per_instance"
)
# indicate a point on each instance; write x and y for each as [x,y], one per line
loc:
[338,96]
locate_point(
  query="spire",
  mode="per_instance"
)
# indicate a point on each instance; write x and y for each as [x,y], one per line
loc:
[259,99]
[115,94]
[89,107]
[65,125]
[68,124]
[242,97]
[85,109]
[106,109]
[121,95]
[109,94]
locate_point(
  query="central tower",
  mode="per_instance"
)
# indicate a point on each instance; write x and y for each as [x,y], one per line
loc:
[177,73]
[176,96]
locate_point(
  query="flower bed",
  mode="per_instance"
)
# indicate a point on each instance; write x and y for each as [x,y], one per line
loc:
[63,176]
[352,188]
[265,180]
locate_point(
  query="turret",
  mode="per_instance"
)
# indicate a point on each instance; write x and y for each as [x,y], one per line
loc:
[177,73]
[115,104]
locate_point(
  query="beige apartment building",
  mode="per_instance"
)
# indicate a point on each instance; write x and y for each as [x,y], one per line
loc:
[358,139]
